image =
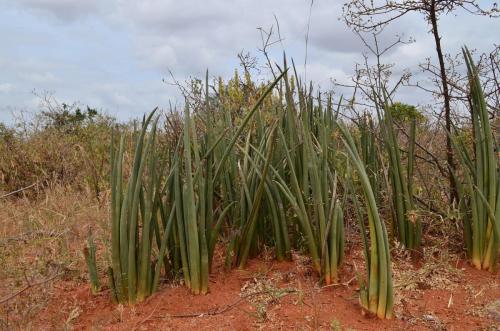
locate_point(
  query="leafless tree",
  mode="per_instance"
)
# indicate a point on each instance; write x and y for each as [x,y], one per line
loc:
[372,15]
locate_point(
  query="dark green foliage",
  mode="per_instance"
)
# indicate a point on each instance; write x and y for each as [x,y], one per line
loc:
[403,112]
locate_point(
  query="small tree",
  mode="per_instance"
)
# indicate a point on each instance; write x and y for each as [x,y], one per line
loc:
[373,15]
[403,112]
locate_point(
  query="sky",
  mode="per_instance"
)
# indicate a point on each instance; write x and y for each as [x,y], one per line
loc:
[117,55]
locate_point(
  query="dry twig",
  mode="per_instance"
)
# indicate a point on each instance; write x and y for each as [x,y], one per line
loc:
[27,287]
[218,311]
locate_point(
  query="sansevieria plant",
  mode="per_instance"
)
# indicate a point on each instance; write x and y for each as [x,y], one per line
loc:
[134,207]
[406,224]
[196,177]
[377,294]
[479,180]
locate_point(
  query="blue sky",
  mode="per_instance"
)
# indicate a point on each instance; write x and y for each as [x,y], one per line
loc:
[114,54]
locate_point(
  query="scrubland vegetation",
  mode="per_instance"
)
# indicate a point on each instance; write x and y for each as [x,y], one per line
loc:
[244,170]
[111,225]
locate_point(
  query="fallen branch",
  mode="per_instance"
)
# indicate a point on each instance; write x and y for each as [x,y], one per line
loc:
[340,284]
[32,234]
[429,206]
[144,320]
[217,311]
[30,285]
[17,191]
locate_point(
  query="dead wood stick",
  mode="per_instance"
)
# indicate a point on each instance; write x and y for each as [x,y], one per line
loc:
[217,311]
[30,285]
[17,191]
[339,284]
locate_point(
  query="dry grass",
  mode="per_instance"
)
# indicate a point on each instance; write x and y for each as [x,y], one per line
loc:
[438,271]
[42,238]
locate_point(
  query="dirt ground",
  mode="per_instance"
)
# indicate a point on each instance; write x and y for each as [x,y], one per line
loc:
[440,292]
[285,296]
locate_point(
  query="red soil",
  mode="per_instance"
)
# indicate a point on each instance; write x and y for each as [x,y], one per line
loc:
[309,307]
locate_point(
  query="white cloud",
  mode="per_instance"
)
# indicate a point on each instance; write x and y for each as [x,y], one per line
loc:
[6,87]
[64,10]
[66,44]
[40,78]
